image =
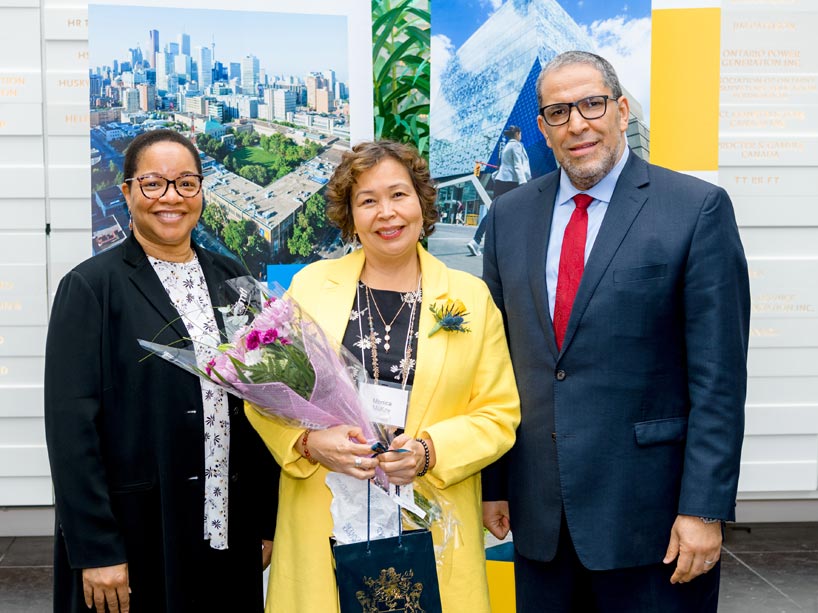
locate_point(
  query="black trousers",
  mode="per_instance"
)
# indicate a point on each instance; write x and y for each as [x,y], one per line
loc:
[564,585]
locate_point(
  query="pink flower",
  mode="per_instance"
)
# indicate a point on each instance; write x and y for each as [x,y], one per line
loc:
[269,336]
[277,314]
[209,367]
[252,340]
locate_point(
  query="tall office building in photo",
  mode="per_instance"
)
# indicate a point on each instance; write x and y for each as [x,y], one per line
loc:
[234,71]
[490,83]
[182,65]
[147,97]
[153,47]
[284,102]
[324,101]
[131,101]
[249,74]
[183,40]
[204,61]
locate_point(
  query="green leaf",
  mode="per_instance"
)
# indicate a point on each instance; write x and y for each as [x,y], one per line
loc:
[394,58]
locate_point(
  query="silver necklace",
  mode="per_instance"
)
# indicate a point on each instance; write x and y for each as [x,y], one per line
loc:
[386,326]
[373,350]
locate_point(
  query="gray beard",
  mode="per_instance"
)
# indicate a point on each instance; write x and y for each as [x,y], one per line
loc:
[584,177]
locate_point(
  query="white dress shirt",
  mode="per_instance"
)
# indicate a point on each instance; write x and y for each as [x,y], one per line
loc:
[564,208]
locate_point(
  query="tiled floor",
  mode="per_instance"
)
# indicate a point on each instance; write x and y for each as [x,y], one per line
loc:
[766,568]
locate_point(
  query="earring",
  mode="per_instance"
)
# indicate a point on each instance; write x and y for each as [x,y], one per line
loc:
[355,243]
[422,234]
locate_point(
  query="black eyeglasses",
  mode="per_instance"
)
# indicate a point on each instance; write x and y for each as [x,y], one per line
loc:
[592,107]
[154,187]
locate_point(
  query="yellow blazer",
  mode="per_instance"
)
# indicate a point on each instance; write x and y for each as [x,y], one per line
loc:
[464,395]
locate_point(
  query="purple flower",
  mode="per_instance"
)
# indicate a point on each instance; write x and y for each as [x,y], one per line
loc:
[269,336]
[252,340]
[209,367]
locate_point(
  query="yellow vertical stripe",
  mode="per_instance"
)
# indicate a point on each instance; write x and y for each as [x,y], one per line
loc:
[501,586]
[684,90]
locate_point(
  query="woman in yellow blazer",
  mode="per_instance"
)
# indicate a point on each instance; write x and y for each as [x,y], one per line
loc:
[463,408]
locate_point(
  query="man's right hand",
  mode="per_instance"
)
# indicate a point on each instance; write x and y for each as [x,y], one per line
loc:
[107,584]
[496,518]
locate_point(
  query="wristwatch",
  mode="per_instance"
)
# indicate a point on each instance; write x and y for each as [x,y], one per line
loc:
[709,520]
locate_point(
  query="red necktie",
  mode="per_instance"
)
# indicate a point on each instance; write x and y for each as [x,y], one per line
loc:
[572,263]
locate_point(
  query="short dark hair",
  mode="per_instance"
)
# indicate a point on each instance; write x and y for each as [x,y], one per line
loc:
[609,77]
[147,139]
[511,131]
[364,156]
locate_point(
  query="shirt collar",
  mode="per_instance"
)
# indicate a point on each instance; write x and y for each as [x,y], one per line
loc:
[601,191]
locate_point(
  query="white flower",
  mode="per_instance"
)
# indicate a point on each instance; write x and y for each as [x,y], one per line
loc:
[251,358]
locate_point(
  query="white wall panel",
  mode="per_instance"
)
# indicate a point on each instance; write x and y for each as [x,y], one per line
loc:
[71,214]
[21,400]
[20,150]
[20,40]
[778,476]
[26,491]
[16,431]
[782,390]
[20,85]
[20,119]
[22,214]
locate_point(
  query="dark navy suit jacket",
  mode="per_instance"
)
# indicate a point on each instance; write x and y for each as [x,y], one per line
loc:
[640,417]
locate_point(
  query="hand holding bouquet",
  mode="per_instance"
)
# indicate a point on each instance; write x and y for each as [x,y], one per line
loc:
[280,360]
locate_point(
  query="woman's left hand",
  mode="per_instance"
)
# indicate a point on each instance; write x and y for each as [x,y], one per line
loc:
[403,467]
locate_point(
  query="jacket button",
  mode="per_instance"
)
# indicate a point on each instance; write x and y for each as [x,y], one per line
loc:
[234,477]
[554,436]
[561,375]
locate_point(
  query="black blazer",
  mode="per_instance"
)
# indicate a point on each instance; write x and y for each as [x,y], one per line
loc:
[646,398]
[125,439]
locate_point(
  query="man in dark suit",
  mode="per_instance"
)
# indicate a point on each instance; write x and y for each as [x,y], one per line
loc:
[627,313]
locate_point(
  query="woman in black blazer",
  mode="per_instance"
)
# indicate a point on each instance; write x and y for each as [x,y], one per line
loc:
[165,496]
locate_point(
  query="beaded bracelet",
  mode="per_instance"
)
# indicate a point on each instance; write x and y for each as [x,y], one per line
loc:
[307,449]
[426,456]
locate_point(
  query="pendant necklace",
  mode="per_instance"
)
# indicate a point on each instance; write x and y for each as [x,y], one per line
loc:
[373,344]
[386,326]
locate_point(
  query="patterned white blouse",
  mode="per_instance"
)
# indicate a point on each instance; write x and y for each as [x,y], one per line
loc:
[186,286]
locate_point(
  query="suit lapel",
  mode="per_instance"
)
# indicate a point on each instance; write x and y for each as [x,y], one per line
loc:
[539,231]
[431,356]
[626,202]
[149,285]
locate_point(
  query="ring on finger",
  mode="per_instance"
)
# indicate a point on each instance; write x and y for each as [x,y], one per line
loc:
[709,562]
[358,462]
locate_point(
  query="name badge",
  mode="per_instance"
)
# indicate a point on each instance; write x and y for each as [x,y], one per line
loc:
[385,403]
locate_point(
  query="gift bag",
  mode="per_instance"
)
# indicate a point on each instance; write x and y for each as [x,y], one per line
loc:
[395,574]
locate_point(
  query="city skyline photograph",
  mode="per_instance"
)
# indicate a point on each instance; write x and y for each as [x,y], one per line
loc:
[281,41]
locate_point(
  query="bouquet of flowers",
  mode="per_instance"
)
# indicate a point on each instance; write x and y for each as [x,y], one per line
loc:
[282,362]
[278,359]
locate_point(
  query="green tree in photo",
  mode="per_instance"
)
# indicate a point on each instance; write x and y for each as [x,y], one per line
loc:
[235,235]
[256,173]
[300,243]
[316,211]
[213,218]
[257,251]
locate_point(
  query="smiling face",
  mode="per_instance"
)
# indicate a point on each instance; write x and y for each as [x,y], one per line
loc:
[386,212]
[587,149]
[163,226]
